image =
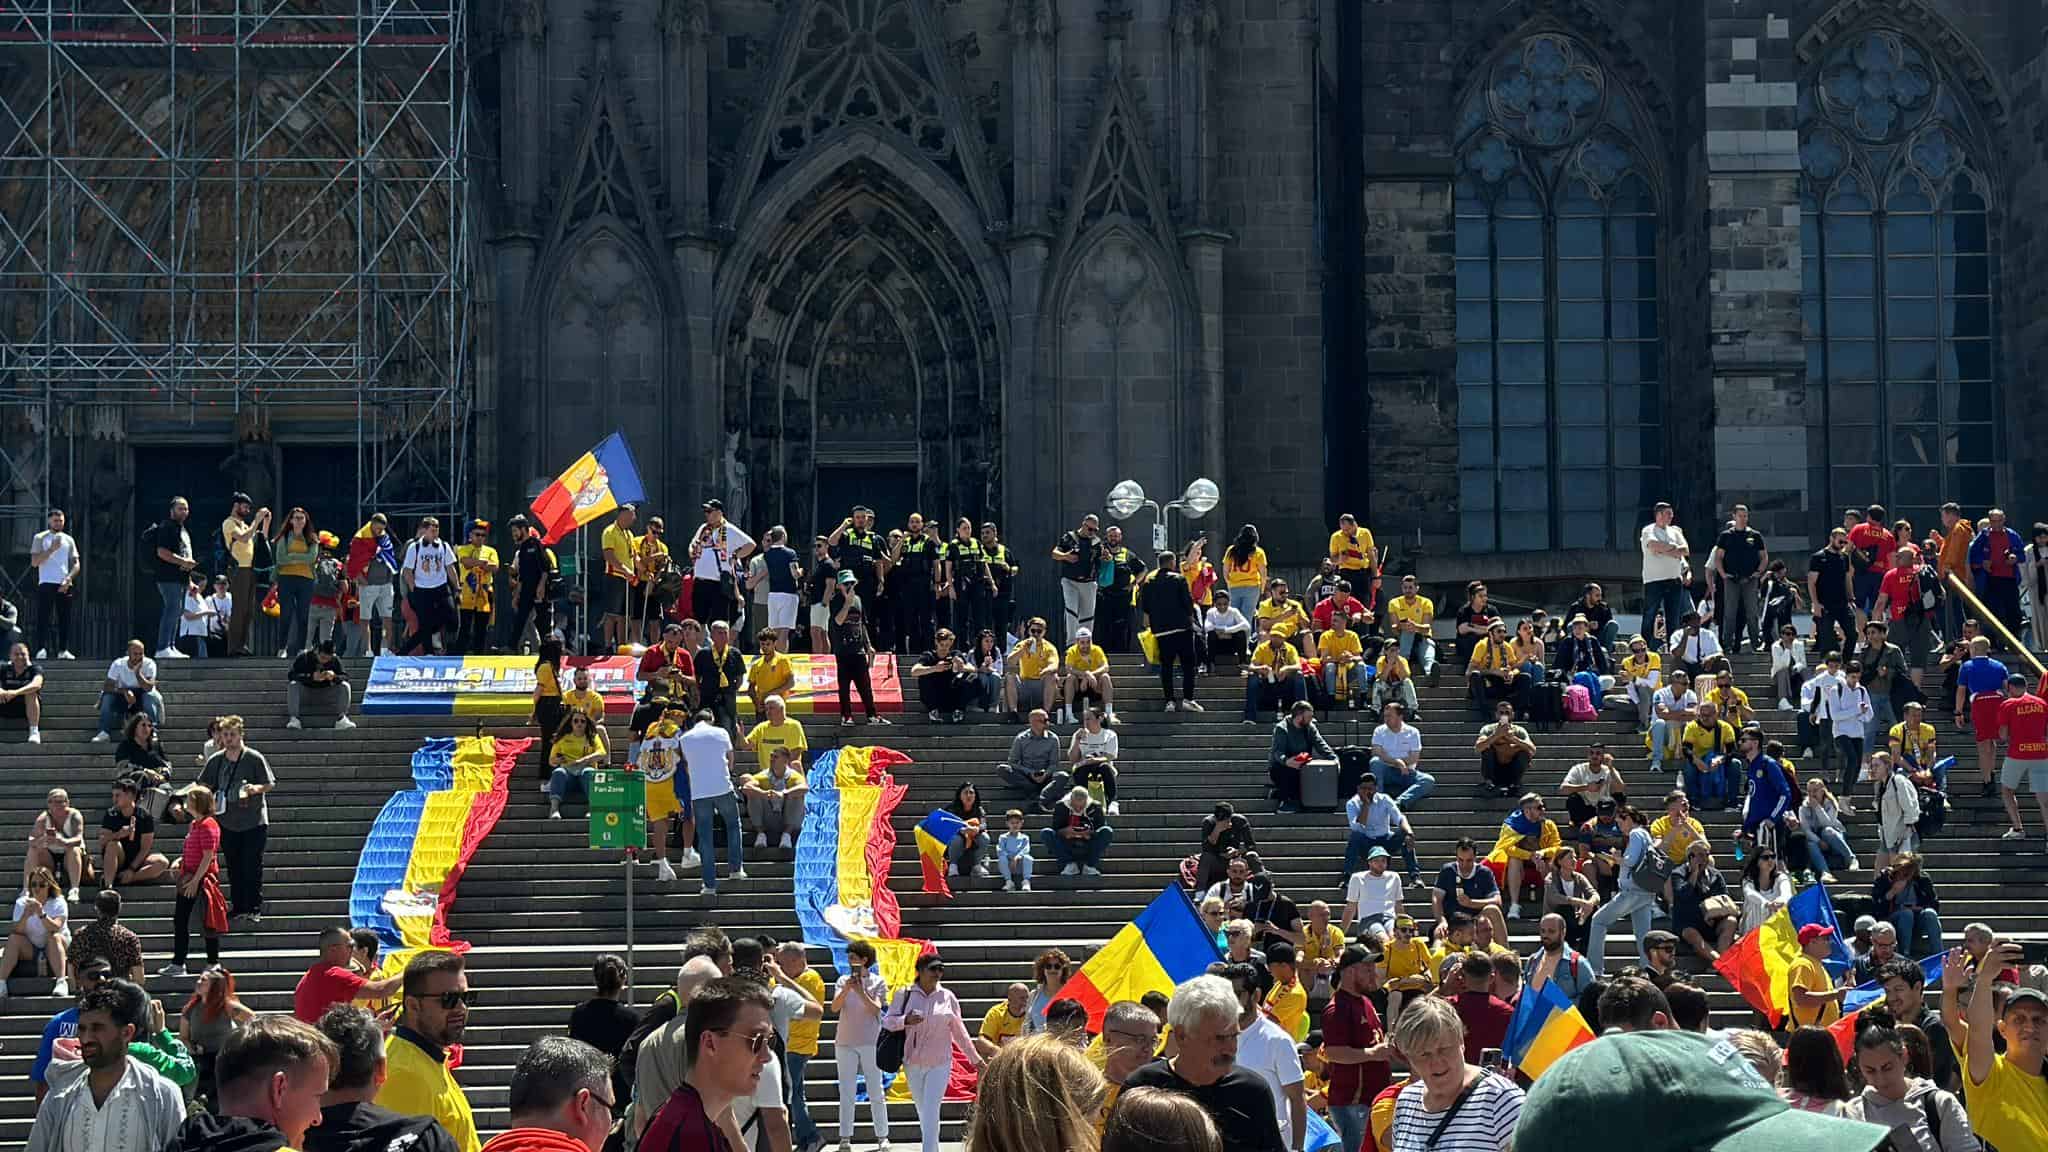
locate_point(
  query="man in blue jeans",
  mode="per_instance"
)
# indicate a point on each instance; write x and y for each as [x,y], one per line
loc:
[1377,822]
[174,564]
[707,753]
[1630,901]
[1664,554]
[1396,752]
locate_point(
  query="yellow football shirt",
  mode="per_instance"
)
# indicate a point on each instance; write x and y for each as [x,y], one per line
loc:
[1094,660]
[473,587]
[1334,644]
[1807,973]
[620,546]
[1289,1004]
[771,674]
[1287,616]
[999,1026]
[585,700]
[1417,610]
[803,1034]
[1035,658]
[1252,574]
[765,738]
[1350,554]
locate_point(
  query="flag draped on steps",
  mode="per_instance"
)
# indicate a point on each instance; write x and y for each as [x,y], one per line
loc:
[934,833]
[599,481]
[1545,1026]
[1165,945]
[842,876]
[1759,963]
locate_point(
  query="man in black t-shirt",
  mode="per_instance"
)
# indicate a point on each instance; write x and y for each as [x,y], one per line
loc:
[174,565]
[1204,1017]
[1831,594]
[128,841]
[1079,555]
[1739,559]
[1114,633]
[21,691]
[533,578]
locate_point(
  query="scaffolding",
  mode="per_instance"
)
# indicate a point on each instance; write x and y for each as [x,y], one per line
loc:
[229,213]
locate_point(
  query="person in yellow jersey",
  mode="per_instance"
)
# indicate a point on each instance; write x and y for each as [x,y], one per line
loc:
[1282,611]
[1393,681]
[1322,942]
[1678,829]
[1413,616]
[579,747]
[1004,1021]
[1034,672]
[583,698]
[435,1003]
[476,588]
[1357,560]
[1244,570]
[771,673]
[651,561]
[1286,1000]
[1087,674]
[802,1045]
[621,548]
[1643,671]
[1815,999]
[1345,675]
[2004,1093]
[661,754]
[1405,966]
[1273,678]
[1493,674]
[775,794]
[1913,745]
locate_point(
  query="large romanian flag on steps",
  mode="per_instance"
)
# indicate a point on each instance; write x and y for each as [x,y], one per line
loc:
[599,481]
[1165,945]
[1545,1026]
[1759,964]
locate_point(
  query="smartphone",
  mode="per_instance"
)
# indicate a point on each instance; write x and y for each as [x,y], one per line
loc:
[1493,1060]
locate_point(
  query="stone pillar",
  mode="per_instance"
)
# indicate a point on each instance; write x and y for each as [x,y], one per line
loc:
[694,415]
[507,415]
[1766,434]
[1029,422]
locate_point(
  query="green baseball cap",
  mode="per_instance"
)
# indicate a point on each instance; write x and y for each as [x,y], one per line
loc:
[1695,1093]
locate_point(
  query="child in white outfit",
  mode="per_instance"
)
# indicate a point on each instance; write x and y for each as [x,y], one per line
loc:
[1013,854]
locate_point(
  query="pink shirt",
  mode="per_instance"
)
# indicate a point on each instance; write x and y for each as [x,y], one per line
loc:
[931,1041]
[202,837]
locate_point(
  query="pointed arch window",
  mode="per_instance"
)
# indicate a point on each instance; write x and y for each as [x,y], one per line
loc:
[1560,366]
[1899,269]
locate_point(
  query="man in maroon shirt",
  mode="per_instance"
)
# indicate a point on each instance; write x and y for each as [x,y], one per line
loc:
[332,981]
[1485,1015]
[1355,1050]
[728,1035]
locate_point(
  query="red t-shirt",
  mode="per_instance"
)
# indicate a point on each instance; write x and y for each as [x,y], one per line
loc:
[1328,608]
[654,658]
[322,987]
[202,837]
[682,1126]
[2024,721]
[1351,1022]
[1900,587]
[1875,540]
[1486,1018]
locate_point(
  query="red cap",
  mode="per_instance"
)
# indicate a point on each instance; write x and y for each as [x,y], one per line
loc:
[1813,932]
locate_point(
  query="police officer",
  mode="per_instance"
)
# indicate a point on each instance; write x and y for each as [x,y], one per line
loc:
[857,549]
[914,565]
[1004,569]
[1113,614]
[969,584]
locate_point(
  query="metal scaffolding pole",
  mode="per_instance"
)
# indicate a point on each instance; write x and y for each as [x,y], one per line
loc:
[226,213]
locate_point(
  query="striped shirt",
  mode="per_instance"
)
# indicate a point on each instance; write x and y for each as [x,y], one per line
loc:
[1484,1124]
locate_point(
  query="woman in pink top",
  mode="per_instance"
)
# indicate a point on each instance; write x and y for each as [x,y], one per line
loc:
[929,1018]
[199,860]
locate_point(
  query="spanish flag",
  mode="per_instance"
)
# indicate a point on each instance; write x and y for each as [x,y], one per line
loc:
[933,834]
[1165,945]
[1545,1026]
[599,481]
[366,545]
[1760,963]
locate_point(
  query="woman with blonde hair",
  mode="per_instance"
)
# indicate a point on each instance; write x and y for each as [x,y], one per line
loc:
[1451,1105]
[1037,1095]
[41,932]
[1155,1120]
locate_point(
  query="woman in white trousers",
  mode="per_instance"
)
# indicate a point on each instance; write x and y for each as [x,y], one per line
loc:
[859,999]
[929,1017]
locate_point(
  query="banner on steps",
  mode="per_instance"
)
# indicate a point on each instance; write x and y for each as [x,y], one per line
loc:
[487,685]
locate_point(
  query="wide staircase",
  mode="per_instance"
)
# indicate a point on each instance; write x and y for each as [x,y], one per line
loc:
[538,905]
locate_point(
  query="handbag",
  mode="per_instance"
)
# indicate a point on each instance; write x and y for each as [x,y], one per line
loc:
[1719,908]
[1652,870]
[889,1045]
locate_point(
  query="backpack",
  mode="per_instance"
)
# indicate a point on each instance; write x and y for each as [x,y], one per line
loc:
[1546,707]
[1930,593]
[1578,704]
[327,578]
[1594,691]
[1933,812]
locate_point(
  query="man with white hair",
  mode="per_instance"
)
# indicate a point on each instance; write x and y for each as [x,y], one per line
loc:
[664,1056]
[1204,1014]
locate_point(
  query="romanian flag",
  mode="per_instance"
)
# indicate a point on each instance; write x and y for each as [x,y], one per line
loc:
[933,834]
[1165,945]
[1870,993]
[366,545]
[1759,964]
[1545,1026]
[599,481]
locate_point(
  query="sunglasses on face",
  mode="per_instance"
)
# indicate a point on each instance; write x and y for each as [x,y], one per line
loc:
[755,1042]
[449,1000]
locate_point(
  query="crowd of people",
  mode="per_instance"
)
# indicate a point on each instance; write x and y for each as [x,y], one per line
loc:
[1387,1018]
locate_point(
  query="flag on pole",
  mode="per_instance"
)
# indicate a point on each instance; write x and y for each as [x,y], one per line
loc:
[1165,945]
[599,481]
[933,833]
[1760,964]
[1545,1026]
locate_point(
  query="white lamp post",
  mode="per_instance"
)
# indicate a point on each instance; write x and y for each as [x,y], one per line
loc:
[1128,497]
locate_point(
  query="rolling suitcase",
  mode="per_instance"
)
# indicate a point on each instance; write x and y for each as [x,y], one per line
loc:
[1319,786]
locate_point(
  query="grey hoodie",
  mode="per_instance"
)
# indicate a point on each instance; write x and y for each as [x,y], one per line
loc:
[1910,1115]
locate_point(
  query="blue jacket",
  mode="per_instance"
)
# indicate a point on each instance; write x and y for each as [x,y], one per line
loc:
[1769,794]
[1980,552]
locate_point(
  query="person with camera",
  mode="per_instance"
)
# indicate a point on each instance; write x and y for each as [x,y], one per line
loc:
[945,679]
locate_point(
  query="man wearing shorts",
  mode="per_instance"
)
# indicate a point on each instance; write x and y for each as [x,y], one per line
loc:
[661,753]
[1899,601]
[2023,720]
[376,602]
[1980,680]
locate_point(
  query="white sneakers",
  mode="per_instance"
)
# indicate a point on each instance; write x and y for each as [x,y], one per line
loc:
[1173,705]
[293,724]
[1067,716]
[35,735]
[2014,834]
[100,737]
[66,655]
[690,859]
[760,839]
[283,655]
[786,843]
[1090,870]
[173,971]
[1514,911]
[663,870]
[737,874]
[170,654]
[61,989]
[1191,706]
[345,724]
[554,808]
[1071,870]
[1785,705]
[1115,809]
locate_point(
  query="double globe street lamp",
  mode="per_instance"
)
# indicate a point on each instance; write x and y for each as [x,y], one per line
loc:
[1128,497]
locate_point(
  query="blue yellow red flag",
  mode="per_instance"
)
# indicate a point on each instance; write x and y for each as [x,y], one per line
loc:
[1165,945]
[1545,1026]
[599,481]
[934,833]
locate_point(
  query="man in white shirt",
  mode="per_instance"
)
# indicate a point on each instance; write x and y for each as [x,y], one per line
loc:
[1670,709]
[1590,781]
[1372,899]
[1266,1050]
[1850,711]
[120,1102]
[718,555]
[429,562]
[1664,553]
[1396,754]
[55,555]
[1818,699]
[707,757]
[130,687]
[1693,645]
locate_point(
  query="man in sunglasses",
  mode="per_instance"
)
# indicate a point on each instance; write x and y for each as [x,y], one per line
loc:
[435,1009]
[729,1035]
[560,1099]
